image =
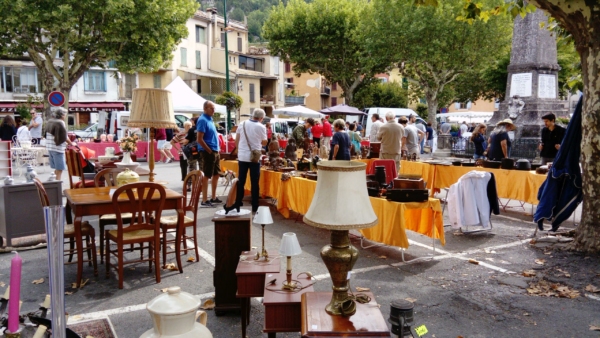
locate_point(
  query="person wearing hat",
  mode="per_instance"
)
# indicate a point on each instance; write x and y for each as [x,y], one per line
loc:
[499,143]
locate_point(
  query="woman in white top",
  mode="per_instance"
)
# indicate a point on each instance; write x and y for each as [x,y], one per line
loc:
[23,132]
[251,135]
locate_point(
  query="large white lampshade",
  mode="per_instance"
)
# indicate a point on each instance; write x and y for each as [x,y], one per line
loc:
[341,200]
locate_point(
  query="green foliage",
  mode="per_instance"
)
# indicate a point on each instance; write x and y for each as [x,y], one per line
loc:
[432,49]
[325,37]
[563,120]
[232,101]
[422,111]
[377,94]
[23,111]
[139,35]
[569,76]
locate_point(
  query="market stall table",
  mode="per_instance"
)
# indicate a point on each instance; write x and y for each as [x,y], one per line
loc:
[97,201]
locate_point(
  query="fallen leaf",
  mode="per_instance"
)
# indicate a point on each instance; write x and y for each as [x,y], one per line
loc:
[594,328]
[412,300]
[473,261]
[526,314]
[191,259]
[132,269]
[359,289]
[2,284]
[458,234]
[592,289]
[38,281]
[382,257]
[68,293]
[528,273]
[548,253]
[540,261]
[170,266]
[208,304]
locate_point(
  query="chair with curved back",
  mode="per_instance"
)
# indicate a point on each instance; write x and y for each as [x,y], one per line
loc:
[73,159]
[87,231]
[169,223]
[108,178]
[144,199]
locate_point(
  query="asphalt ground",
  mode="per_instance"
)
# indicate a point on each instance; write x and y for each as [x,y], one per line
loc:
[453,297]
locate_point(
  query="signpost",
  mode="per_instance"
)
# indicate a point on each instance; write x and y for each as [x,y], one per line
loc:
[56,99]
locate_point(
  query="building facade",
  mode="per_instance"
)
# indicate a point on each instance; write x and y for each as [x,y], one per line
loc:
[97,90]
[310,90]
[200,61]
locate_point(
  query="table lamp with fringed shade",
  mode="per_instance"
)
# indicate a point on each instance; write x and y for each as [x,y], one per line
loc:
[151,108]
[341,203]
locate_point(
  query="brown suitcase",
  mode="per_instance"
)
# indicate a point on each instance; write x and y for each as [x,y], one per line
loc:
[404,183]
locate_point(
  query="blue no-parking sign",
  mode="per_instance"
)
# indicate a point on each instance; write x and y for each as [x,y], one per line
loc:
[56,99]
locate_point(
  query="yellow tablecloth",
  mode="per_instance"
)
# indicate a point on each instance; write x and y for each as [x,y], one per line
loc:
[426,171]
[395,218]
[268,183]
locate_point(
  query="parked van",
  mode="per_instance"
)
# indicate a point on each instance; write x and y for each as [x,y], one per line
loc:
[382,111]
[281,127]
[118,122]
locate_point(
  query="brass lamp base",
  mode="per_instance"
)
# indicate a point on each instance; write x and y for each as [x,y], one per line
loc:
[339,257]
[263,254]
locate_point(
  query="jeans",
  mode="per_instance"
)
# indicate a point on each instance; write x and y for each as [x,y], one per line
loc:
[183,166]
[254,178]
[422,145]
[476,157]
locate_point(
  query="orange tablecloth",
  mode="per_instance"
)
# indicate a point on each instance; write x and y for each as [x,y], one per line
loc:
[512,184]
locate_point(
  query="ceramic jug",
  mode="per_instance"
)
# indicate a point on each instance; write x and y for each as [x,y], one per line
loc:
[30,174]
[174,315]
[127,176]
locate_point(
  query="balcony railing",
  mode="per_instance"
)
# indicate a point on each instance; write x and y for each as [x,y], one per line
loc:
[294,100]
[325,91]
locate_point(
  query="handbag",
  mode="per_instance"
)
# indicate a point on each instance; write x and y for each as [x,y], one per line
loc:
[191,151]
[254,154]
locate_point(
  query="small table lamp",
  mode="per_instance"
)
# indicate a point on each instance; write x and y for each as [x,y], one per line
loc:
[289,247]
[341,202]
[151,108]
[263,217]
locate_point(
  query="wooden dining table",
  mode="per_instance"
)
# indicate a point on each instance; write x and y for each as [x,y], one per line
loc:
[98,201]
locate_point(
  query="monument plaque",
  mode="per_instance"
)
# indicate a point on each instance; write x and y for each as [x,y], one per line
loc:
[521,85]
[547,86]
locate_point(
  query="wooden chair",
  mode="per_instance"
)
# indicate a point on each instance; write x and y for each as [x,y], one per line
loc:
[141,230]
[87,231]
[169,223]
[75,169]
[108,178]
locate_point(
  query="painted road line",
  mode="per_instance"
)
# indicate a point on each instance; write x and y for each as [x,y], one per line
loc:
[120,310]
[207,257]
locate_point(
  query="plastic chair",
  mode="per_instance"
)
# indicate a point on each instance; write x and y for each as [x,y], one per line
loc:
[169,223]
[390,169]
[87,232]
[143,228]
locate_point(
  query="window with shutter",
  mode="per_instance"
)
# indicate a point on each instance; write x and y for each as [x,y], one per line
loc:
[222,39]
[183,57]
[252,92]
[200,35]
[157,81]
[198,59]
[276,65]
[288,67]
[239,43]
[334,86]
[334,101]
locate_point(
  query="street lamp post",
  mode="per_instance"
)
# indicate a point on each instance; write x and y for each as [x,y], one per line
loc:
[226,62]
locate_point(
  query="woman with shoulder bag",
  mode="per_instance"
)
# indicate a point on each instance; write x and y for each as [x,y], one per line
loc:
[251,137]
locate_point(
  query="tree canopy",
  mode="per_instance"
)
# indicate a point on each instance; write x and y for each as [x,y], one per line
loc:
[138,35]
[325,37]
[431,47]
[377,94]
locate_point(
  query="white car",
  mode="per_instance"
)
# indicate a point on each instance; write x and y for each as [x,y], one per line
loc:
[89,132]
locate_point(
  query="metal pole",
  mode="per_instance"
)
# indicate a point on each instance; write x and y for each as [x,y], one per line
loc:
[226,62]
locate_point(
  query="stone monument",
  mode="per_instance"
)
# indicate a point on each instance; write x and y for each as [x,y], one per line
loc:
[532,85]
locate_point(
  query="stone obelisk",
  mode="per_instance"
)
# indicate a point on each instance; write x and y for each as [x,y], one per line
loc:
[532,84]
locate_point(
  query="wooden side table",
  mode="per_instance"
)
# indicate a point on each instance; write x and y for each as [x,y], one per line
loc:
[366,322]
[251,280]
[282,309]
[232,237]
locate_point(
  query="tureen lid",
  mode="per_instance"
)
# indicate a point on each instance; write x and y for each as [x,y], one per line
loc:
[173,302]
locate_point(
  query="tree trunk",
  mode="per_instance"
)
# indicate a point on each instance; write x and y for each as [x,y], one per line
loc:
[588,232]
[432,105]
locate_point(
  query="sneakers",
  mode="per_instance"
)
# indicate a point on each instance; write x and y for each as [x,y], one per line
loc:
[169,160]
[206,204]
[216,201]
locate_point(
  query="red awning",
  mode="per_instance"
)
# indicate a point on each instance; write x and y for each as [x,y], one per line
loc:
[74,107]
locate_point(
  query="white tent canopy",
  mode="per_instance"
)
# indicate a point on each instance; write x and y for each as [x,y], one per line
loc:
[469,116]
[185,100]
[298,111]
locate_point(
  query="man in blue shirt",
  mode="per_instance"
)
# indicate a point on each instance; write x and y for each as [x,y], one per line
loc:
[206,135]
